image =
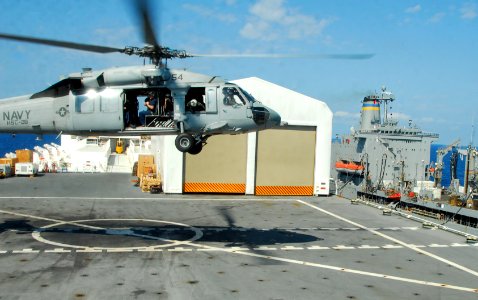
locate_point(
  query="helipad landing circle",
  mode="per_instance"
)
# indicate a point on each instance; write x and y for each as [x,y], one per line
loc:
[118,232]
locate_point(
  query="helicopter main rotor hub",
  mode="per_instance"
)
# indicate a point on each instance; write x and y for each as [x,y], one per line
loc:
[156,54]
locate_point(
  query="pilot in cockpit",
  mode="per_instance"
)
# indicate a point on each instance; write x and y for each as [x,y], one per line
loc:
[228,96]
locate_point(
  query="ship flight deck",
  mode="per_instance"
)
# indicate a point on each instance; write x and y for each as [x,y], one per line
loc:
[96,236]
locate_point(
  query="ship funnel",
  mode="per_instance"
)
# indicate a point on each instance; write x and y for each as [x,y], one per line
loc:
[370,115]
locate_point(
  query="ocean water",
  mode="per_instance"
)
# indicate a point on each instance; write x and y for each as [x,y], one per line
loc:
[10,143]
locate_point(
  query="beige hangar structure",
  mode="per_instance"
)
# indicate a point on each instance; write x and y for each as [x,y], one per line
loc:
[291,160]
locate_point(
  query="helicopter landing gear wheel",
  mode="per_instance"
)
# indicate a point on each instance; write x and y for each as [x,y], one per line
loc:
[184,142]
[195,149]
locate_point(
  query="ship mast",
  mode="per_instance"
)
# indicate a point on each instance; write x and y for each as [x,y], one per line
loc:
[386,97]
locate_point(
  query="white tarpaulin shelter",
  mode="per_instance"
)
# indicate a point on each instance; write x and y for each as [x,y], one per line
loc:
[274,164]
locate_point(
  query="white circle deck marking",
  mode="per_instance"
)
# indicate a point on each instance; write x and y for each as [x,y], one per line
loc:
[202,247]
[197,234]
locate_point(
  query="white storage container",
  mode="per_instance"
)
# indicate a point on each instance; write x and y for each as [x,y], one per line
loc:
[28,169]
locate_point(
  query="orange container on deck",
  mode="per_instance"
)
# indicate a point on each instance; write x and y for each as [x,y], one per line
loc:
[24,155]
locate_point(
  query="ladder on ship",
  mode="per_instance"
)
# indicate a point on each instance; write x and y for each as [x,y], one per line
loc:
[118,163]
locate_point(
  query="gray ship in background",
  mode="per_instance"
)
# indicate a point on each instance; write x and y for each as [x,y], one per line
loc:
[380,160]
[390,164]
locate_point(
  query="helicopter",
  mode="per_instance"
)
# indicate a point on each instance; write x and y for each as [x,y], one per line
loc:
[190,105]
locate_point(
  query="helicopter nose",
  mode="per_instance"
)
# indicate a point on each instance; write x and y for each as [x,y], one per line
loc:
[265,116]
[274,119]
[260,115]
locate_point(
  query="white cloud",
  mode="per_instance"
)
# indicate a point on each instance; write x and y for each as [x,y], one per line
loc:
[399,116]
[271,20]
[436,17]
[346,114]
[405,21]
[257,30]
[115,37]
[413,9]
[468,11]
[269,10]
[428,120]
[209,12]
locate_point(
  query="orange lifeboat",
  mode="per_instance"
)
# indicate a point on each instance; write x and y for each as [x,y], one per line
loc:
[395,196]
[349,167]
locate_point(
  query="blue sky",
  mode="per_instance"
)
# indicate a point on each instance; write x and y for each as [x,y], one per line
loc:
[426,52]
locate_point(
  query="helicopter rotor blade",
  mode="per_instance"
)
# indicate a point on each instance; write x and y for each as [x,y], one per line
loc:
[265,55]
[143,8]
[62,44]
[223,211]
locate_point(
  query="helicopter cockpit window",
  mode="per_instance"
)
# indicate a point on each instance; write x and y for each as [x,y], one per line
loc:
[232,97]
[248,96]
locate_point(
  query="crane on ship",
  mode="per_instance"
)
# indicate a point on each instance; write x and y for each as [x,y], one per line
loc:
[441,153]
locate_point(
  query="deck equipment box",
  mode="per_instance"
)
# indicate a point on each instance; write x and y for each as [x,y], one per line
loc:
[28,169]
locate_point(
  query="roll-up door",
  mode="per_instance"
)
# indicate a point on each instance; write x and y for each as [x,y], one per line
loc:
[219,168]
[285,161]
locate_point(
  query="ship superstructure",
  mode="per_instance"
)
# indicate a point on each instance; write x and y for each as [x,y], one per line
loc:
[381,159]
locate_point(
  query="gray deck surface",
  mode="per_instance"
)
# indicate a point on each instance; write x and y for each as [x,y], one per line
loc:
[95,236]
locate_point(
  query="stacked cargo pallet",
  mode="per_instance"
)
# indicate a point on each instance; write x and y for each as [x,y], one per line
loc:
[145,165]
[150,183]
[149,180]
